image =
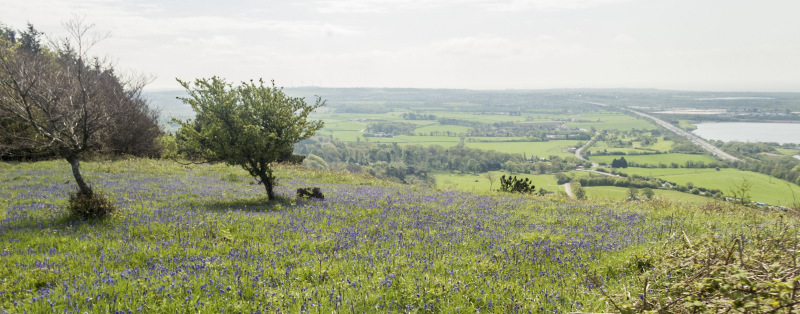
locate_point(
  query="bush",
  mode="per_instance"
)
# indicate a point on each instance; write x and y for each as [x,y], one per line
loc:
[740,273]
[514,185]
[89,205]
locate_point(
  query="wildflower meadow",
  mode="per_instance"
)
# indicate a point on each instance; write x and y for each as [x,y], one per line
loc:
[204,238]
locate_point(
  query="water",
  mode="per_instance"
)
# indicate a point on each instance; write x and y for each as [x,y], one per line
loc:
[750,132]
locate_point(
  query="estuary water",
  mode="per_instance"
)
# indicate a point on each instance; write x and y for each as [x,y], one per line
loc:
[750,132]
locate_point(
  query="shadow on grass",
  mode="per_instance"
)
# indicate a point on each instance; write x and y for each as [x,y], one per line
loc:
[253,204]
[52,221]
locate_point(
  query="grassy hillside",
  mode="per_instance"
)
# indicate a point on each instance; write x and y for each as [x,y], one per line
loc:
[204,239]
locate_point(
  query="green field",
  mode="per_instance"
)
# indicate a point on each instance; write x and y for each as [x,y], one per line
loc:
[765,189]
[662,146]
[530,149]
[609,120]
[472,182]
[788,152]
[687,125]
[656,159]
[613,193]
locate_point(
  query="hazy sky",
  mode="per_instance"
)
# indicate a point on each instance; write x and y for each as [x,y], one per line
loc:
[720,45]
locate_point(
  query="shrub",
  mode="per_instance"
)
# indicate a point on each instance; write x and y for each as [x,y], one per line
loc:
[89,205]
[744,273]
[514,185]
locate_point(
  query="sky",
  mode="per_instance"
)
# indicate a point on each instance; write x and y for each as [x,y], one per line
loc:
[711,45]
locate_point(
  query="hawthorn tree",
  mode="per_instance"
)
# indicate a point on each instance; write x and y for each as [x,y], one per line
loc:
[251,125]
[57,100]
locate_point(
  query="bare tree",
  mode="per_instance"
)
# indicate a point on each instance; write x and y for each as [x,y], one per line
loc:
[65,100]
[489,176]
[741,192]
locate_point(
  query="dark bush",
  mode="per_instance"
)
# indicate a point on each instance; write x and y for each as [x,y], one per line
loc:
[89,205]
[292,159]
[514,185]
[314,192]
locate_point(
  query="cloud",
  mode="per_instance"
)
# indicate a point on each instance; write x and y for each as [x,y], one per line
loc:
[386,6]
[623,39]
[502,47]
[546,5]
[380,6]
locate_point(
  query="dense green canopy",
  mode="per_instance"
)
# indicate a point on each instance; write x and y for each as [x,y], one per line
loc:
[250,125]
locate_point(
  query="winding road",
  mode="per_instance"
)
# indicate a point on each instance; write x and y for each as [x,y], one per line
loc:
[579,151]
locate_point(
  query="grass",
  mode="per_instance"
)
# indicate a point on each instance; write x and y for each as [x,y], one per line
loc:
[479,182]
[661,146]
[764,189]
[788,152]
[192,239]
[607,120]
[656,159]
[686,125]
[613,193]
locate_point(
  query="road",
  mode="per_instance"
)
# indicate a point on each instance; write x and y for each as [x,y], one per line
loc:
[578,152]
[693,138]
[601,173]
[568,188]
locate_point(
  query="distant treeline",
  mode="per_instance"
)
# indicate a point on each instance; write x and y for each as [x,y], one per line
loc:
[764,158]
[418,160]
[418,116]
[392,128]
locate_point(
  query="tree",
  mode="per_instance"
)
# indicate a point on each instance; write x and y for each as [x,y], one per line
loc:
[741,192]
[250,125]
[633,193]
[60,101]
[648,193]
[315,162]
[489,176]
[514,185]
[578,190]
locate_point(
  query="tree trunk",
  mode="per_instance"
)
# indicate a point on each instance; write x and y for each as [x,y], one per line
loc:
[75,162]
[269,182]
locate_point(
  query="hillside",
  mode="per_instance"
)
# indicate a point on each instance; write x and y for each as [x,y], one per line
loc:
[204,239]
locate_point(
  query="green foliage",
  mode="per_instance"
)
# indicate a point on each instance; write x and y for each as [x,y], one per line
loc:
[250,125]
[648,193]
[619,163]
[741,191]
[315,162]
[754,272]
[169,146]
[89,205]
[514,185]
[391,128]
[633,192]
[578,190]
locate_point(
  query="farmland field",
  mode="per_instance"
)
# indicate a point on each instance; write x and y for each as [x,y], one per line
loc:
[764,188]
[530,149]
[661,145]
[657,159]
[473,182]
[609,120]
[613,193]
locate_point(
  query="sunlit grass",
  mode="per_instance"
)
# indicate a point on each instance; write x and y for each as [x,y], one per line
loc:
[191,239]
